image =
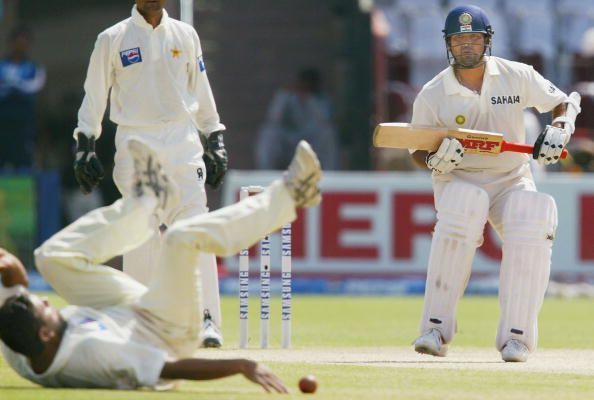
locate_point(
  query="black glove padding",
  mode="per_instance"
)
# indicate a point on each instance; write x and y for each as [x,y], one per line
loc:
[88,170]
[215,159]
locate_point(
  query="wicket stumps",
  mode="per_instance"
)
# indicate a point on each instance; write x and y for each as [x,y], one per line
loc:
[265,270]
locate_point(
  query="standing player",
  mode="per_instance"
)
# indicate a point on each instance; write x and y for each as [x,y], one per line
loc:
[154,67]
[478,91]
[118,333]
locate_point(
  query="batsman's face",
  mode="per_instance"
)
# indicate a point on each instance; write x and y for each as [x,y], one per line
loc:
[468,48]
[150,6]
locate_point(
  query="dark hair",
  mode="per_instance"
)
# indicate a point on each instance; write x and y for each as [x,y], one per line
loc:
[19,326]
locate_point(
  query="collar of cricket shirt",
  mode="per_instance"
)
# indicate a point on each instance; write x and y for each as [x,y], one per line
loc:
[453,86]
[139,20]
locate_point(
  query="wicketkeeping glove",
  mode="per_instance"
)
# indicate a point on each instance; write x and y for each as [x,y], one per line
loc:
[88,170]
[447,157]
[549,145]
[215,159]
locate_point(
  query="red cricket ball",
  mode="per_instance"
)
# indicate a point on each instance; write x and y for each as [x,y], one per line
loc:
[308,384]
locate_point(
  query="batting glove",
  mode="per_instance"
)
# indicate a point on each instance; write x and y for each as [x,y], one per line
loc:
[88,170]
[447,157]
[549,145]
[215,159]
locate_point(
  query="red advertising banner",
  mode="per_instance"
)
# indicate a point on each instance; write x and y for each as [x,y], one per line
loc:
[380,224]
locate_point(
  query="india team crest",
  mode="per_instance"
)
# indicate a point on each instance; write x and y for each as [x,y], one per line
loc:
[465,19]
[460,119]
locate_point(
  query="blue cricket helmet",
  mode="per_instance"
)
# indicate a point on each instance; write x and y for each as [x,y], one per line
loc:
[467,19]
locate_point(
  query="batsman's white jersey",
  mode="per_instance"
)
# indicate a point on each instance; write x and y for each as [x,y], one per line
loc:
[119,332]
[499,189]
[508,88]
[160,92]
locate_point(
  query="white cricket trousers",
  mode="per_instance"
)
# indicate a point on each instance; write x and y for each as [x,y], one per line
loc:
[180,152]
[71,260]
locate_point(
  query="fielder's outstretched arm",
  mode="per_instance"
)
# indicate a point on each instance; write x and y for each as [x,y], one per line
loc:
[197,369]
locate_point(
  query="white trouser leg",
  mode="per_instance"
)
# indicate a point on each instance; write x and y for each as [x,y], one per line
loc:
[70,260]
[180,153]
[174,292]
[209,273]
[211,298]
[140,262]
[529,224]
[462,211]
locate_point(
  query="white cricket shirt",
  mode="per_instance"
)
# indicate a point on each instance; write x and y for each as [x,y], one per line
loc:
[100,349]
[156,75]
[508,88]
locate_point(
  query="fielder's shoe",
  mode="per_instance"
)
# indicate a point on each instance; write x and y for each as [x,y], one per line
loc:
[151,178]
[303,175]
[210,335]
[514,351]
[431,343]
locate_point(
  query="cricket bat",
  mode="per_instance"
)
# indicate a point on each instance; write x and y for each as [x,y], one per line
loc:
[406,136]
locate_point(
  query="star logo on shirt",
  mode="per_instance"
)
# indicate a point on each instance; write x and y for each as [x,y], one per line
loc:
[175,52]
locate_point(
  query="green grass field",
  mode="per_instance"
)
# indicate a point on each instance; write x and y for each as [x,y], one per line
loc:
[359,348]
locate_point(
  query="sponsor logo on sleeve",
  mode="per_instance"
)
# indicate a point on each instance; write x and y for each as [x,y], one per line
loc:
[201,65]
[552,88]
[131,56]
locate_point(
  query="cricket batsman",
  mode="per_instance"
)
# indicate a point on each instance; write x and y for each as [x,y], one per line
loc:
[155,69]
[119,333]
[483,92]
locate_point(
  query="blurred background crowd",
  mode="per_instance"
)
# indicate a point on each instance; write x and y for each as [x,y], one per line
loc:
[330,71]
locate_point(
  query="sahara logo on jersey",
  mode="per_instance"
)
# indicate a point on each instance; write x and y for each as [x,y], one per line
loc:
[505,100]
[131,56]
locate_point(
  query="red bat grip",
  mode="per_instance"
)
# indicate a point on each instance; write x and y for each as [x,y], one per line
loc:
[523,148]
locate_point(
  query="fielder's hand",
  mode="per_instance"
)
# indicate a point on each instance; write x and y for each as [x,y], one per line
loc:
[549,145]
[88,170]
[447,157]
[260,374]
[215,159]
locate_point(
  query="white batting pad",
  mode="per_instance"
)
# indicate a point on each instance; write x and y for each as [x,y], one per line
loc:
[462,211]
[529,224]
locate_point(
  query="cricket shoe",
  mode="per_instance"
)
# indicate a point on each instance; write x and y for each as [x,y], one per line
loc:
[431,343]
[211,336]
[150,177]
[514,351]
[303,176]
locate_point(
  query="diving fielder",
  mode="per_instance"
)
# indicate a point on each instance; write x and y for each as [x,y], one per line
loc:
[154,67]
[118,333]
[482,92]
